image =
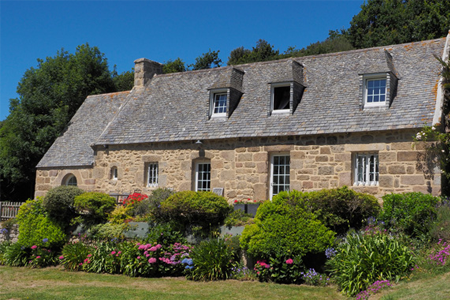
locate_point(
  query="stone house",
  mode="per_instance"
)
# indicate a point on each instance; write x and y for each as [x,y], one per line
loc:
[253,130]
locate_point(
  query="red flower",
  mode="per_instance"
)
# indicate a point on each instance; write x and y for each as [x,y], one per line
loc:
[235,201]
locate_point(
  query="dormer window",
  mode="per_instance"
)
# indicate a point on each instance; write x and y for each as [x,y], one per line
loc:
[219,104]
[284,97]
[281,98]
[375,92]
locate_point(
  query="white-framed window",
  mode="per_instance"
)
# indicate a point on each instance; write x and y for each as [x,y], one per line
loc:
[218,104]
[152,174]
[279,173]
[280,97]
[375,90]
[366,169]
[71,180]
[203,176]
[114,173]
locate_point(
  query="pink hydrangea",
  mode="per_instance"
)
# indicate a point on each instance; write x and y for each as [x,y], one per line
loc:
[38,257]
[113,252]
[152,260]
[153,249]
[33,247]
[61,257]
[290,261]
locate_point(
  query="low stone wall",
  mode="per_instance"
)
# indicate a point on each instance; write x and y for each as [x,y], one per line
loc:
[11,235]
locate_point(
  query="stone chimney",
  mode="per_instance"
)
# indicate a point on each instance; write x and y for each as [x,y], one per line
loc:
[144,69]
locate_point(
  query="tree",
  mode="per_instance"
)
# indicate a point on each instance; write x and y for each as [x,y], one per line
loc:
[49,95]
[207,61]
[263,51]
[123,81]
[174,66]
[385,22]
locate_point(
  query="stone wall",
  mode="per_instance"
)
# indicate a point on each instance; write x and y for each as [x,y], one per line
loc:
[242,166]
[47,179]
[11,234]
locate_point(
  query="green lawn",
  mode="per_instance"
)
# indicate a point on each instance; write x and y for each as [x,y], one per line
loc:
[54,283]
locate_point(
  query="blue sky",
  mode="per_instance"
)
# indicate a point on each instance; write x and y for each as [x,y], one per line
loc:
[157,30]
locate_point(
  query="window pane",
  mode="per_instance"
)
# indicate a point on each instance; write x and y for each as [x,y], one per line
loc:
[280,176]
[281,97]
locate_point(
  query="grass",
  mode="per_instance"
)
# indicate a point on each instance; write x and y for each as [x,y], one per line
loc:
[55,283]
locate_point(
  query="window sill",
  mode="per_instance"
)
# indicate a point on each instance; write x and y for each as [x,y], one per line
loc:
[281,112]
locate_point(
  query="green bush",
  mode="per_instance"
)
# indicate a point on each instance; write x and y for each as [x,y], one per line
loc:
[35,227]
[238,218]
[3,246]
[188,209]
[108,231]
[281,224]
[15,255]
[280,268]
[94,207]
[165,235]
[34,256]
[74,255]
[59,203]
[212,261]
[411,213]
[338,209]
[367,257]
[440,228]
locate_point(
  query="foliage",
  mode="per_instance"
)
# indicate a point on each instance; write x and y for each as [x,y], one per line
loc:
[338,209]
[242,273]
[281,224]
[152,204]
[94,206]
[234,246]
[174,66]
[74,255]
[440,228]
[212,260]
[387,22]
[59,203]
[311,277]
[411,213]
[440,253]
[263,51]
[120,214]
[105,257]
[49,95]
[238,218]
[186,209]
[164,234]
[35,227]
[108,231]
[8,224]
[280,269]
[373,289]
[123,81]
[362,258]
[3,246]
[207,61]
[34,256]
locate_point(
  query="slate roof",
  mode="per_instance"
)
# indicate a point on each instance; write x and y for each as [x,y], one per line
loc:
[73,147]
[174,107]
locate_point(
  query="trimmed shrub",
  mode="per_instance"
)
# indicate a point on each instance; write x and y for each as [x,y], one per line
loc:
[165,235]
[411,213]
[187,209]
[36,228]
[338,209]
[212,261]
[59,203]
[94,207]
[281,224]
[367,257]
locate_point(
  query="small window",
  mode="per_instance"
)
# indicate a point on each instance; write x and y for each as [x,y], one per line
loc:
[220,104]
[366,169]
[203,176]
[71,180]
[152,174]
[280,98]
[280,173]
[114,173]
[375,92]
